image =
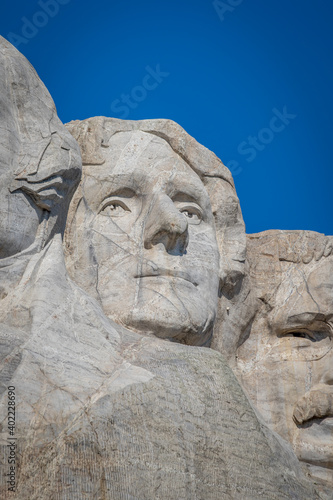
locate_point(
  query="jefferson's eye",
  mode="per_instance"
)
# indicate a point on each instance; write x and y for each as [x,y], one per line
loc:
[313,336]
[302,335]
[193,214]
[305,343]
[115,209]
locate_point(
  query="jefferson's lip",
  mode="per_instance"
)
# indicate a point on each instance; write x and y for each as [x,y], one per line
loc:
[321,421]
[153,273]
[324,420]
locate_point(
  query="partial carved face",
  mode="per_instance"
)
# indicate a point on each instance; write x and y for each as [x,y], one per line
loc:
[146,226]
[39,160]
[286,364]
[19,219]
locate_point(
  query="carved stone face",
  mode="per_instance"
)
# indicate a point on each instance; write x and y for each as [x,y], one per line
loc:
[286,364]
[146,225]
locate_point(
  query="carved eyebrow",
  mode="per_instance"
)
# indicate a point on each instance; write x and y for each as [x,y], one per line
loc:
[192,192]
[122,192]
[184,196]
[307,317]
[122,181]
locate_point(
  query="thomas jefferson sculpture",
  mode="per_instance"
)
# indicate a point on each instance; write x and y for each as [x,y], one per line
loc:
[141,233]
[113,401]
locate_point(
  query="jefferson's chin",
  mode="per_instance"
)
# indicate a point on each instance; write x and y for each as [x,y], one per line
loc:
[171,329]
[173,309]
[186,321]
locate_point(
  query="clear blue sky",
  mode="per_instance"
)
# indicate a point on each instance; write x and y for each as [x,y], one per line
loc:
[224,72]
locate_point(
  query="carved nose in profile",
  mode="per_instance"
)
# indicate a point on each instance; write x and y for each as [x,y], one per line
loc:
[165,224]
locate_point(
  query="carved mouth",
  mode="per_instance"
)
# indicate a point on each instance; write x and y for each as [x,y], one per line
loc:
[171,273]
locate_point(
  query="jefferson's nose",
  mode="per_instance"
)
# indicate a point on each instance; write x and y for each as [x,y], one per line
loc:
[165,224]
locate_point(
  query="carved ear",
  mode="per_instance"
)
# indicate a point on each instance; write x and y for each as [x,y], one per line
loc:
[230,234]
[231,284]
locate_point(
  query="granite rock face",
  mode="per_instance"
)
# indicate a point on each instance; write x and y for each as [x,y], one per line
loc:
[116,402]
[155,230]
[286,361]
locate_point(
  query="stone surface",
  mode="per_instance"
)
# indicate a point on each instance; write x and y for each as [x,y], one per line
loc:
[141,235]
[107,407]
[286,361]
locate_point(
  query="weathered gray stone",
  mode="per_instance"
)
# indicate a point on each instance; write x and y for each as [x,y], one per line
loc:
[104,411]
[130,245]
[141,234]
[286,361]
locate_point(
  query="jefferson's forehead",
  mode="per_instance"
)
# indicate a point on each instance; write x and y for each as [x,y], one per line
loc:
[128,151]
[142,162]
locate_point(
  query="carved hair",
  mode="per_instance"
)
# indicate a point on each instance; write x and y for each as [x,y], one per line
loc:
[299,247]
[274,254]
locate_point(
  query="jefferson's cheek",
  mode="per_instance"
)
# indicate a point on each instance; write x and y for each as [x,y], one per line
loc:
[109,240]
[293,378]
[203,248]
